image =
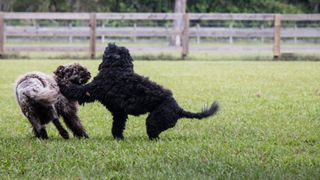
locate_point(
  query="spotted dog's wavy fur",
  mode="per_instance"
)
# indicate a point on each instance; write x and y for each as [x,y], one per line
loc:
[40,100]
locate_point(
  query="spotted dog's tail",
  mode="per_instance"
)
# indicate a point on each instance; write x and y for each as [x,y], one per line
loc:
[32,88]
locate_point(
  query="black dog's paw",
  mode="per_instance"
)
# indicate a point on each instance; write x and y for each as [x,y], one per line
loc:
[118,138]
[155,138]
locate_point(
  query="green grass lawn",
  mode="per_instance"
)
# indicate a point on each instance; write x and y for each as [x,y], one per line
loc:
[268,126]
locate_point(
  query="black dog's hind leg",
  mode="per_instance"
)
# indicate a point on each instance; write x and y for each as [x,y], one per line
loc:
[162,118]
[119,123]
[152,127]
[74,124]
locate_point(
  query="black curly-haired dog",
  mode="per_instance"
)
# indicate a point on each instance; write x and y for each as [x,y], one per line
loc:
[123,93]
[40,100]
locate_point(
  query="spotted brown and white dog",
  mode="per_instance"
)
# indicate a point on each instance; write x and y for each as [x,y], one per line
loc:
[40,100]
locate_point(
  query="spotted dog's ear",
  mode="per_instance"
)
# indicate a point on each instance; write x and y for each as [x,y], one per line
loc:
[59,71]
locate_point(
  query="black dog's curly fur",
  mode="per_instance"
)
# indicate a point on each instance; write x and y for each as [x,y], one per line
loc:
[124,93]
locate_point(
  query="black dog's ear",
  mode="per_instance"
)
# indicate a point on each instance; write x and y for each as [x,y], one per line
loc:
[59,71]
[111,44]
[124,50]
[126,53]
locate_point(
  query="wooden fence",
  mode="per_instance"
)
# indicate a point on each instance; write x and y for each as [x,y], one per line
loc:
[184,32]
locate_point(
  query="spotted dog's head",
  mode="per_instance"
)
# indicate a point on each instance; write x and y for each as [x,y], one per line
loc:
[73,73]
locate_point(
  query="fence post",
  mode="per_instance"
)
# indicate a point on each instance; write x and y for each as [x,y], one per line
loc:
[93,24]
[185,36]
[102,36]
[1,34]
[295,36]
[70,37]
[37,31]
[277,36]
[135,29]
[262,38]
[230,37]
[198,36]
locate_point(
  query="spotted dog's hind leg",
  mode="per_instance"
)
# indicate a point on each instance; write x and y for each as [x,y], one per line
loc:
[74,124]
[38,129]
[55,119]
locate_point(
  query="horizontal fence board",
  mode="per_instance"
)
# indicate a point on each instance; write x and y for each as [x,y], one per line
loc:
[231,16]
[47,31]
[234,32]
[85,31]
[85,49]
[137,32]
[147,48]
[160,16]
[300,49]
[48,16]
[229,48]
[300,32]
[254,32]
[20,31]
[44,48]
[300,17]
[253,17]
[99,16]
[138,16]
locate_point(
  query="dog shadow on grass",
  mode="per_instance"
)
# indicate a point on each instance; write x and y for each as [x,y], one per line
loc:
[102,139]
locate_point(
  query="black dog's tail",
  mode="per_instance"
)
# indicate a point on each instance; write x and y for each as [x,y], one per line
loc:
[206,112]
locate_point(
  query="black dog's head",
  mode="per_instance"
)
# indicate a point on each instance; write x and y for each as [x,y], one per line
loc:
[115,56]
[74,73]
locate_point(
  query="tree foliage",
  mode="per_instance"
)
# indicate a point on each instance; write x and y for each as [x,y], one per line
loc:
[222,6]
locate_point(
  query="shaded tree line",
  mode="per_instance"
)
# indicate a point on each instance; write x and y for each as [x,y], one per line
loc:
[205,6]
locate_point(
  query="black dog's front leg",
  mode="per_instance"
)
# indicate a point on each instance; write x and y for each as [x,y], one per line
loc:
[119,124]
[79,93]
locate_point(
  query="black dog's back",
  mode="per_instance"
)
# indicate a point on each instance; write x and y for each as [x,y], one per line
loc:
[131,92]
